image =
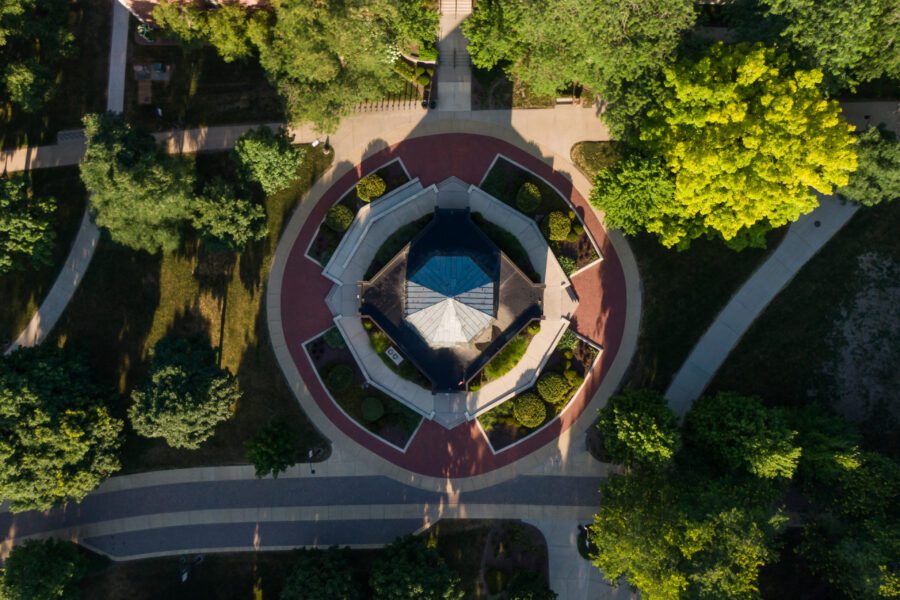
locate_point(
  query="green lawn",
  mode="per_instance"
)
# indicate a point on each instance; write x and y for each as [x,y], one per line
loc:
[789,345]
[129,300]
[81,82]
[23,291]
[682,291]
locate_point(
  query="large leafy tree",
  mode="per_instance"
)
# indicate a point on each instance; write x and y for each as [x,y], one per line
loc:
[268,158]
[140,195]
[639,428]
[229,27]
[186,393]
[26,236]
[611,47]
[410,569]
[321,575]
[57,439]
[43,570]
[852,41]
[739,432]
[272,449]
[748,139]
[877,179]
[227,217]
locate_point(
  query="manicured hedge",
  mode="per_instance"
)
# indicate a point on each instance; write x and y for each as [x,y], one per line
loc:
[505,360]
[558,226]
[339,378]
[528,198]
[339,218]
[372,409]
[370,187]
[529,411]
[334,339]
[553,388]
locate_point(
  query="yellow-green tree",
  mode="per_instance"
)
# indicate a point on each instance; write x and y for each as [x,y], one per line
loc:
[748,139]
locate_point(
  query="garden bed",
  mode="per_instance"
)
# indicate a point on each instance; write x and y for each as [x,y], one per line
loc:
[508,244]
[505,181]
[327,240]
[395,244]
[374,410]
[506,360]
[380,343]
[568,364]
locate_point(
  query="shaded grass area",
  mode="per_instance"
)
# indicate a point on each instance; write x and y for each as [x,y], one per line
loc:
[203,90]
[23,291]
[396,422]
[682,291]
[129,300]
[327,240]
[80,86]
[788,345]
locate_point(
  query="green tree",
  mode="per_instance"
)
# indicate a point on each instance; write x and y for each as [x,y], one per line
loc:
[529,585]
[639,428]
[851,41]
[740,432]
[609,46]
[410,569]
[57,439]
[186,394]
[268,158]
[29,85]
[417,23]
[321,575]
[43,570]
[272,449]
[877,179]
[140,195]
[26,234]
[748,140]
[226,217]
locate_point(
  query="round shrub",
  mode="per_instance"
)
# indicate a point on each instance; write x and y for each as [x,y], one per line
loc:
[529,411]
[334,339]
[534,327]
[553,388]
[339,378]
[558,226]
[528,199]
[372,409]
[370,187]
[568,341]
[339,218]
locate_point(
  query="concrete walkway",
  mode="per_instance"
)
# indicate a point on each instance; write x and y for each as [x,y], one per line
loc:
[82,251]
[454,72]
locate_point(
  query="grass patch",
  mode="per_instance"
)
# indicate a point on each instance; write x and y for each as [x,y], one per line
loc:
[790,341]
[395,243]
[509,356]
[327,240]
[380,343]
[508,244]
[129,300]
[396,424]
[23,291]
[80,86]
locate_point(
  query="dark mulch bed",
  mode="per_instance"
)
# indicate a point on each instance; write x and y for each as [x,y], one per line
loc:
[326,240]
[504,181]
[398,422]
[500,425]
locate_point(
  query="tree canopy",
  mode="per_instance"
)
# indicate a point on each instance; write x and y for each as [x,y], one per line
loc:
[877,179]
[140,195]
[272,449]
[410,569]
[851,41]
[26,234]
[186,394]
[43,570]
[639,428]
[748,139]
[268,158]
[227,216]
[57,439]
[321,575]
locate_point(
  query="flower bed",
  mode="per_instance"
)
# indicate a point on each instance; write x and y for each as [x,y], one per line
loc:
[374,410]
[561,378]
[570,242]
[327,239]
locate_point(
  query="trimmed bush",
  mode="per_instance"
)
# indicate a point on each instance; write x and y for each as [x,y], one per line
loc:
[334,339]
[339,218]
[372,409]
[567,264]
[505,360]
[568,341]
[529,411]
[339,378]
[528,199]
[534,327]
[553,388]
[370,187]
[558,226]
[428,53]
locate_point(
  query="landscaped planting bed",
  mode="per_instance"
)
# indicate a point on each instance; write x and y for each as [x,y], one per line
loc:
[508,244]
[395,244]
[372,409]
[23,291]
[328,238]
[380,343]
[506,360]
[519,417]
[558,222]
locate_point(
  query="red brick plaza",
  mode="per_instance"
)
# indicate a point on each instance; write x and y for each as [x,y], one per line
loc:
[462,451]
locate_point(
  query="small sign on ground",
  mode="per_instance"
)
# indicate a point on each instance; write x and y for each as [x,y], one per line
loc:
[394,355]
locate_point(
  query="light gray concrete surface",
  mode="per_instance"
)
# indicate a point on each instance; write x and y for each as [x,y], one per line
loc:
[454,72]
